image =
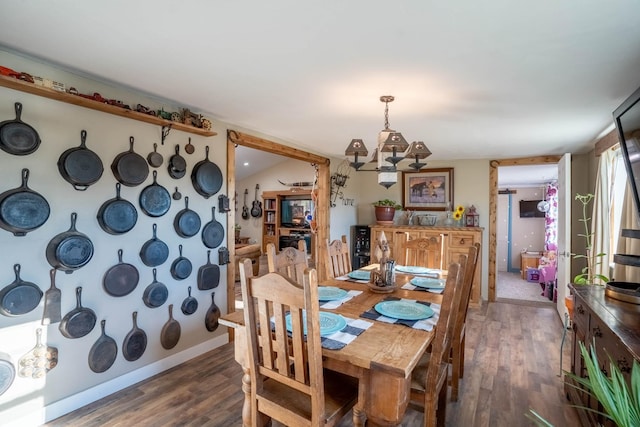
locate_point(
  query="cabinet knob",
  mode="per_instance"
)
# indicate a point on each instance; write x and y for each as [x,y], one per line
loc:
[597,332]
[580,309]
[624,365]
[462,241]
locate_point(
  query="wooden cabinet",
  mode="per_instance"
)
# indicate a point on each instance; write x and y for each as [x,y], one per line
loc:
[456,241]
[614,328]
[529,260]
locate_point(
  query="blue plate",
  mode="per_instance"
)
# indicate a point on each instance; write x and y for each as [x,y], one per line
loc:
[404,310]
[330,293]
[426,282]
[329,323]
[360,274]
[412,269]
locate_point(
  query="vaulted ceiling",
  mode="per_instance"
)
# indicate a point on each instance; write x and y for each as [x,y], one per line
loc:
[472,79]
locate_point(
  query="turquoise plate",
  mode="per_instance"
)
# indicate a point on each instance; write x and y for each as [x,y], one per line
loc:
[360,274]
[426,282]
[329,323]
[412,269]
[404,310]
[330,293]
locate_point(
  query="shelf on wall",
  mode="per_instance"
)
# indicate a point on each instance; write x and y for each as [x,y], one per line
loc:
[20,85]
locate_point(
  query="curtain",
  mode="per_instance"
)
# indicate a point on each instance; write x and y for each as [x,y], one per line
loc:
[551,217]
[628,246]
[601,215]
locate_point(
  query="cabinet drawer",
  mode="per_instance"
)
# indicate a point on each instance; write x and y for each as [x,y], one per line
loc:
[461,240]
[581,317]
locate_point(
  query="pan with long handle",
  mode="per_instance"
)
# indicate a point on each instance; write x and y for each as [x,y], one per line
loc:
[170,334]
[80,166]
[135,342]
[19,297]
[17,137]
[212,232]
[181,267]
[52,312]
[22,209]
[156,293]
[208,275]
[187,222]
[130,168]
[154,199]
[40,360]
[154,251]
[190,304]
[7,372]
[121,279]
[154,158]
[79,321]
[103,352]
[117,216]
[206,177]
[212,316]
[70,250]
[177,167]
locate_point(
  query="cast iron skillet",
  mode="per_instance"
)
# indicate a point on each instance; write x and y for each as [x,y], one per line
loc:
[154,199]
[154,251]
[7,372]
[17,137]
[103,352]
[190,304]
[70,250]
[129,167]
[181,267]
[22,209]
[135,343]
[80,166]
[170,334]
[208,275]
[206,177]
[212,316]
[79,321]
[155,294]
[19,297]
[121,279]
[187,222]
[117,216]
[154,158]
[212,232]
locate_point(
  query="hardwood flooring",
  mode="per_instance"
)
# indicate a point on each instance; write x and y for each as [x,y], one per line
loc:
[512,364]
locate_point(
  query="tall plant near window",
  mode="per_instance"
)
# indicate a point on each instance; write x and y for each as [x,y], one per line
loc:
[602,212]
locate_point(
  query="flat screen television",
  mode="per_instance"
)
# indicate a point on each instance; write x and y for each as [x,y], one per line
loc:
[295,213]
[627,120]
[529,209]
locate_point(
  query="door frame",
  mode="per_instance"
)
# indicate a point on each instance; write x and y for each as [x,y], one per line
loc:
[235,138]
[493,208]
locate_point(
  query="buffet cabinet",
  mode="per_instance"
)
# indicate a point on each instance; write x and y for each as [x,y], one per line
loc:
[455,241]
[613,327]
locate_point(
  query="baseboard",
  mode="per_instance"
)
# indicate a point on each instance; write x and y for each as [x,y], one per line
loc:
[26,415]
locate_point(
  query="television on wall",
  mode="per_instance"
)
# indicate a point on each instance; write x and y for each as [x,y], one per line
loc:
[529,209]
[627,120]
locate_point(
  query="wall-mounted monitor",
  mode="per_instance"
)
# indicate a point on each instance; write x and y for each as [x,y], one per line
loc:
[529,209]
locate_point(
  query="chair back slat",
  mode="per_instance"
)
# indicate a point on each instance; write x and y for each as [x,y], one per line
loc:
[423,252]
[290,262]
[339,259]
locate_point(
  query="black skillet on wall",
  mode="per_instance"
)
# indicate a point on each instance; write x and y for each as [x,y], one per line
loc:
[121,279]
[80,166]
[187,222]
[206,177]
[22,209]
[154,251]
[135,343]
[103,352]
[70,250]
[79,321]
[17,137]
[154,199]
[117,215]
[130,168]
[19,297]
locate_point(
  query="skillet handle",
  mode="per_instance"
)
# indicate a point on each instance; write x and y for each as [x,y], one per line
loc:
[80,187]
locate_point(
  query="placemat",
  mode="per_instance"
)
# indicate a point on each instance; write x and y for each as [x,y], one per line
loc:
[410,287]
[330,305]
[424,324]
[349,279]
[340,339]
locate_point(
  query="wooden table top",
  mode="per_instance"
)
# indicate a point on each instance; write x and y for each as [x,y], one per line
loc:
[393,348]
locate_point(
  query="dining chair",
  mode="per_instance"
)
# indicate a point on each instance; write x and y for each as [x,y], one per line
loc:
[429,377]
[458,340]
[290,262]
[423,252]
[288,383]
[339,260]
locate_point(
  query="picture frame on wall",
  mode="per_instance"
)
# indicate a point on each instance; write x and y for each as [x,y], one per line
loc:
[428,189]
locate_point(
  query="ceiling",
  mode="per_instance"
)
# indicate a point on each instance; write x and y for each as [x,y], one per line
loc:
[493,79]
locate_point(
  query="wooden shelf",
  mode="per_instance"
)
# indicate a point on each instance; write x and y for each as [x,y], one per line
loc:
[13,83]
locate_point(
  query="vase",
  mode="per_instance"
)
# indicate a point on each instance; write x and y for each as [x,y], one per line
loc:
[448,221]
[385,214]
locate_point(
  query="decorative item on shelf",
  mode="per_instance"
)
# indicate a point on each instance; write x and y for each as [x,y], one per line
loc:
[458,215]
[236,230]
[339,181]
[385,210]
[389,141]
[448,220]
[472,217]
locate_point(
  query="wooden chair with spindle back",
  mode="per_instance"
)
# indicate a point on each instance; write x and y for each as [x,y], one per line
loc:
[290,262]
[429,377]
[288,383]
[458,342]
[339,259]
[423,252]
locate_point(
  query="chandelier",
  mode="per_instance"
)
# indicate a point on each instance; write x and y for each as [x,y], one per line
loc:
[389,141]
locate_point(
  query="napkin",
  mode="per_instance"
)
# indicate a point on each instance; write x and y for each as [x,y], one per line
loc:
[346,277]
[410,287]
[340,339]
[338,302]
[424,324]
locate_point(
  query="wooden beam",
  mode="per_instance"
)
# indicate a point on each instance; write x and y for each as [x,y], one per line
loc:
[257,143]
[606,142]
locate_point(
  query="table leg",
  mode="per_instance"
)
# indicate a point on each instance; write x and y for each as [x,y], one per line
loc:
[359,410]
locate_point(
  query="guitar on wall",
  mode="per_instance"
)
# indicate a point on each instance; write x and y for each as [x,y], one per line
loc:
[256,208]
[245,208]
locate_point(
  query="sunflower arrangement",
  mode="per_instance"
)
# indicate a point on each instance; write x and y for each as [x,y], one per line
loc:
[458,213]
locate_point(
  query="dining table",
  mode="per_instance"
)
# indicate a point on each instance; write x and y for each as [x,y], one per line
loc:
[382,357]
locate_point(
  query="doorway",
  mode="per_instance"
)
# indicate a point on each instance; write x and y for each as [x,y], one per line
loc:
[493,213]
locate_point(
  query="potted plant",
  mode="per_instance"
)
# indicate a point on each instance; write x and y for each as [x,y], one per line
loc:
[385,210]
[588,274]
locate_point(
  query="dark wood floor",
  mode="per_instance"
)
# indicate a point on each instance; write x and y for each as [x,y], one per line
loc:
[512,364]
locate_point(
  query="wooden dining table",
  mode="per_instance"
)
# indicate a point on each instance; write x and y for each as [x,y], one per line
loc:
[382,357]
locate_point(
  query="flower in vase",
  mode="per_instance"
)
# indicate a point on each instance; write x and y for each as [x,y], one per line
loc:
[458,213]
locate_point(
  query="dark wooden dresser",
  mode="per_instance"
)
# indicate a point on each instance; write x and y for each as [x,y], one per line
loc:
[614,328]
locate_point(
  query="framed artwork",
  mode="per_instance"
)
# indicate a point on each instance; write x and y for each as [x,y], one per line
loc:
[428,189]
